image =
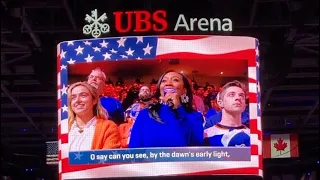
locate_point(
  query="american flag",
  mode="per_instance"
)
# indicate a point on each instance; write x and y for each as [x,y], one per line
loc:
[113,49]
[157,47]
[52,153]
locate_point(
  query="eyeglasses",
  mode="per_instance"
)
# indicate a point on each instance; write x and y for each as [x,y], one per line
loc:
[96,77]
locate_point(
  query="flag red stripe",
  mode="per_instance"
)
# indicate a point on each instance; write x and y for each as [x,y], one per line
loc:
[294,145]
[254,128]
[266,146]
[261,162]
[64,138]
[254,150]
[252,58]
[59,103]
[58,63]
[186,55]
[59,131]
[253,97]
[250,80]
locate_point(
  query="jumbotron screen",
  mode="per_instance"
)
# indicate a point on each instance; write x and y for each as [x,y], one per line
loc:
[159,106]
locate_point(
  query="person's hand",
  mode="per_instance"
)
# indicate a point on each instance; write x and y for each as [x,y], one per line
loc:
[174,97]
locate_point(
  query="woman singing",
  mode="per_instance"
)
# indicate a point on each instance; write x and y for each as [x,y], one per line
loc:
[171,122]
[89,128]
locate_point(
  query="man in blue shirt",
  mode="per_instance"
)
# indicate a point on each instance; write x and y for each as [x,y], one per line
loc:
[113,106]
[230,131]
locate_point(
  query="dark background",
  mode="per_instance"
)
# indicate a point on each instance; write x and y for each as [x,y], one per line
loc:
[288,31]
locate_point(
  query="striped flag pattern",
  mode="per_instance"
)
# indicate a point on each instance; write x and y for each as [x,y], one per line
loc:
[157,47]
[52,153]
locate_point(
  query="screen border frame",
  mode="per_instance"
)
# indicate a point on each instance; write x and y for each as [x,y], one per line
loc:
[238,47]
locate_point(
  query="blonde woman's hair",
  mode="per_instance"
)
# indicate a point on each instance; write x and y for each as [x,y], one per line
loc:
[98,110]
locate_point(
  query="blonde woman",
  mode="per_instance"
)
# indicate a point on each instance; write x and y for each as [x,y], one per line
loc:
[89,128]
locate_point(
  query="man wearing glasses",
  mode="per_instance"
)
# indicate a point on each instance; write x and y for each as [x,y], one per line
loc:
[113,106]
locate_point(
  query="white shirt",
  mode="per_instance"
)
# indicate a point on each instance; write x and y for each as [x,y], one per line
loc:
[82,141]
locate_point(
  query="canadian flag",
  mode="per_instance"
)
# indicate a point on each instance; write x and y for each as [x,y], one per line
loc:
[280,146]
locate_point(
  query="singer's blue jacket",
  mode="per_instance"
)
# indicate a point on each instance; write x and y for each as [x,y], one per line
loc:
[178,129]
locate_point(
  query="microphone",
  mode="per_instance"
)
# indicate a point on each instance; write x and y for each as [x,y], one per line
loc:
[171,90]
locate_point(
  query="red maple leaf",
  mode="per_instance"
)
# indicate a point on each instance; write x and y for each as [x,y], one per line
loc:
[280,145]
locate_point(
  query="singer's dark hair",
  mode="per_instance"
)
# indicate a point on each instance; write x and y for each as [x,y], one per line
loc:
[155,107]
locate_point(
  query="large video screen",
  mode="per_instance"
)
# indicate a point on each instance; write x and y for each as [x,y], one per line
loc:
[159,106]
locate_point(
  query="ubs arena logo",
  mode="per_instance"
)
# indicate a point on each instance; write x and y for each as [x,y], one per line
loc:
[144,21]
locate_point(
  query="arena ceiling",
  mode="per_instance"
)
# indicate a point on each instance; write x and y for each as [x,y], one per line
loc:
[30,30]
